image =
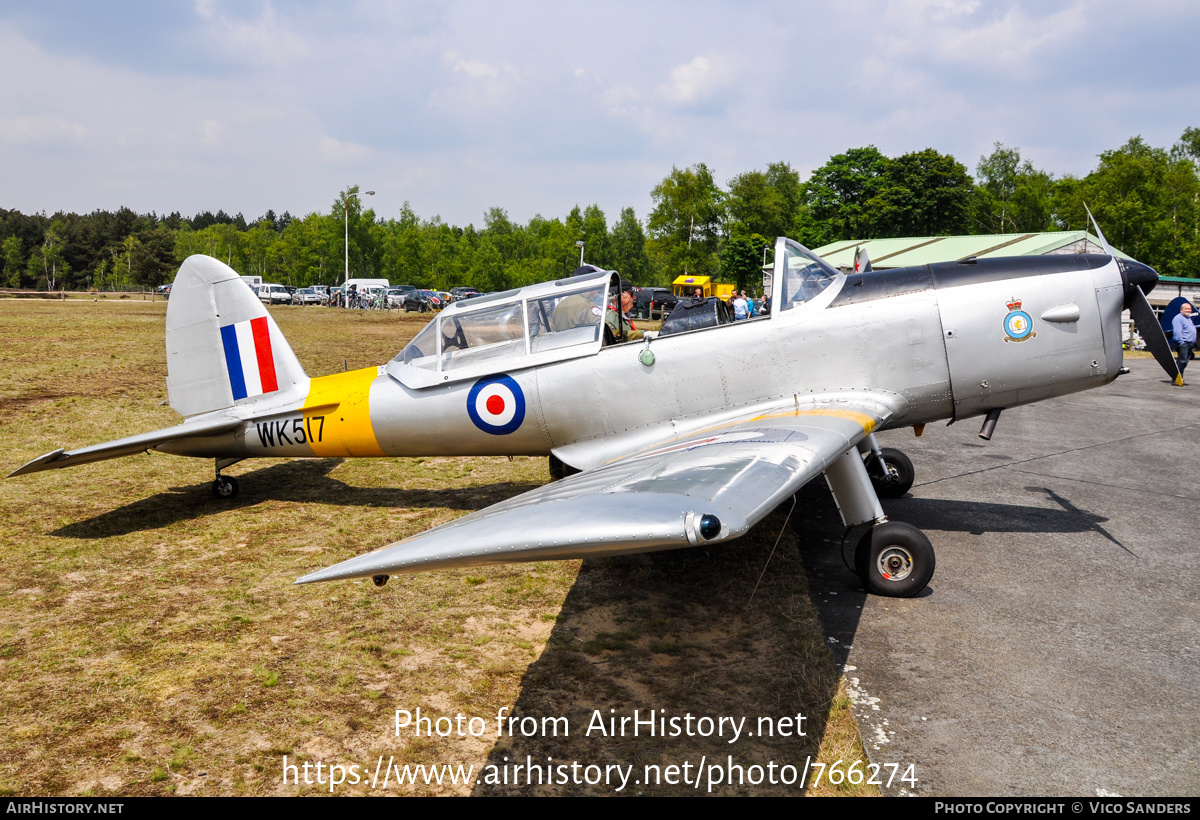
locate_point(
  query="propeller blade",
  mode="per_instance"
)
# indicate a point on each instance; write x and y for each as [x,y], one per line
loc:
[1152,332]
[1099,233]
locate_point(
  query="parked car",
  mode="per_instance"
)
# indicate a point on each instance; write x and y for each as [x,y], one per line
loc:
[396,294]
[422,301]
[274,294]
[307,296]
[458,294]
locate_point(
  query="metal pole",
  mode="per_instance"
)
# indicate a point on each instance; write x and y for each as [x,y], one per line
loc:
[346,211]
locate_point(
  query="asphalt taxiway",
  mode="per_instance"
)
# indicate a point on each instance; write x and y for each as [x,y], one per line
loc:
[1057,649]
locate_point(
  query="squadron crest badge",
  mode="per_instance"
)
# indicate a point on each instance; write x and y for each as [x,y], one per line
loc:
[1018,325]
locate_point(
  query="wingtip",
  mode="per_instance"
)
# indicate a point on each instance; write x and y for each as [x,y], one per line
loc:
[38,464]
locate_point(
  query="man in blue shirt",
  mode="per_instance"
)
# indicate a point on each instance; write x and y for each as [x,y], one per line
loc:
[1185,334]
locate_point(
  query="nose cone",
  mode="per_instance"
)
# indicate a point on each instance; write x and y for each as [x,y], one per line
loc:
[1136,275]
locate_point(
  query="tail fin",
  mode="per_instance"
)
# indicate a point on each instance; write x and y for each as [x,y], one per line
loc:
[223,348]
[862,262]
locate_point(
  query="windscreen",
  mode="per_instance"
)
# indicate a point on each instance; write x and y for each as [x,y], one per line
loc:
[799,274]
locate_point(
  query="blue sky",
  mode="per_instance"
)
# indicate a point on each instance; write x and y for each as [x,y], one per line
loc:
[535,107]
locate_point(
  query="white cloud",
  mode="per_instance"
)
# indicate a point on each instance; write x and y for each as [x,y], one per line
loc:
[472,68]
[210,133]
[966,34]
[339,152]
[458,106]
[699,81]
[621,99]
[265,38]
[40,130]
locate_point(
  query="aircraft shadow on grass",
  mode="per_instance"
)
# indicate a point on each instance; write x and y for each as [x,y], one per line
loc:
[714,632]
[305,481]
[717,632]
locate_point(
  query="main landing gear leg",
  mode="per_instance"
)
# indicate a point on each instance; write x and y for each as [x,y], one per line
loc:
[891,471]
[225,487]
[892,558]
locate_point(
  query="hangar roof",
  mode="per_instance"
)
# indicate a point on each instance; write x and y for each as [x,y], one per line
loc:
[921,250]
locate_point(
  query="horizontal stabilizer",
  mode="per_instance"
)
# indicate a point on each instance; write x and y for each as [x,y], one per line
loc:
[125,446]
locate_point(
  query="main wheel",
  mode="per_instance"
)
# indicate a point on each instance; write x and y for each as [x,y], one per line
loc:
[225,487]
[899,476]
[894,559]
[559,470]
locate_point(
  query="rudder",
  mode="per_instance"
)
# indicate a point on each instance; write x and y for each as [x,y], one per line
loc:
[223,347]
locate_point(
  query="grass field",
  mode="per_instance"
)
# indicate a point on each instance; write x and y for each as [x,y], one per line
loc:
[151,641]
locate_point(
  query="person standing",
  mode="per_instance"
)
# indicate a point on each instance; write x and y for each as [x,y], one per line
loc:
[1185,334]
[739,307]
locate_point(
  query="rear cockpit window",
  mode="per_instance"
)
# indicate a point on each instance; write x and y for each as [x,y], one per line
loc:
[494,336]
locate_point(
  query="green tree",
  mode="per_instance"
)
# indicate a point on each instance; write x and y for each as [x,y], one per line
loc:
[627,249]
[1010,196]
[1145,200]
[764,202]
[1189,146]
[685,226]
[838,196]
[741,261]
[14,262]
[922,193]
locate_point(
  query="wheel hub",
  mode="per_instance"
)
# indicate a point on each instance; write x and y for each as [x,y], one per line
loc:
[895,563]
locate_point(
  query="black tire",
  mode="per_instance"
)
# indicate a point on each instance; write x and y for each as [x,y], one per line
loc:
[559,470]
[225,487]
[895,560]
[900,473]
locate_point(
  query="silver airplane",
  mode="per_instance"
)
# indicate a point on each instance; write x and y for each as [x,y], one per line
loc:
[669,441]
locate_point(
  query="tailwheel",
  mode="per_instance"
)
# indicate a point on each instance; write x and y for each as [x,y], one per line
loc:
[899,476]
[225,487]
[894,559]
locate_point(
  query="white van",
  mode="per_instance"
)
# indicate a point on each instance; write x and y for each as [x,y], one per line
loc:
[255,282]
[363,284]
[274,294]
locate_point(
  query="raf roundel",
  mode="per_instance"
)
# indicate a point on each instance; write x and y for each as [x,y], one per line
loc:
[496,405]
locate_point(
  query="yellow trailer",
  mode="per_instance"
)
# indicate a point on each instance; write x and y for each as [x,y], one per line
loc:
[686,286]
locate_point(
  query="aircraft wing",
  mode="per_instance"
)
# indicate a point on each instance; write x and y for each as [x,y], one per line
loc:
[704,488]
[125,446]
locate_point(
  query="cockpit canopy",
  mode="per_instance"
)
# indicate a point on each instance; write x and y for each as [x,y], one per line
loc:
[518,328]
[563,319]
[800,275]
